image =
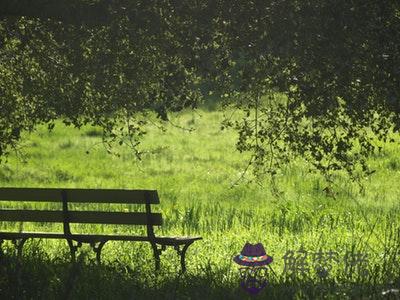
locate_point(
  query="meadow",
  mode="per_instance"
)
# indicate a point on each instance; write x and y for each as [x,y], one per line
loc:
[198,177]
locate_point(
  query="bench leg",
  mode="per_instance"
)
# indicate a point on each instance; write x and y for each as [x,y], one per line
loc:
[1,248]
[157,252]
[19,244]
[182,254]
[73,248]
[97,247]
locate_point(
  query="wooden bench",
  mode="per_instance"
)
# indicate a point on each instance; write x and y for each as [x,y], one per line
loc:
[66,216]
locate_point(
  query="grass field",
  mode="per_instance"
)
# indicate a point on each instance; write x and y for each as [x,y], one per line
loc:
[194,173]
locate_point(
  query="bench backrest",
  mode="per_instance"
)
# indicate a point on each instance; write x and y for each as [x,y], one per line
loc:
[66,216]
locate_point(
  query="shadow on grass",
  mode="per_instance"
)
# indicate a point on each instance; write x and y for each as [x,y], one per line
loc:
[41,278]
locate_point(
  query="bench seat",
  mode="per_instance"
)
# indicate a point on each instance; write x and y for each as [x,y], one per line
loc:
[26,235]
[165,240]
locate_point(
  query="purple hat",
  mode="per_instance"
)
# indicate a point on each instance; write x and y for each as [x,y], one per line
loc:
[252,256]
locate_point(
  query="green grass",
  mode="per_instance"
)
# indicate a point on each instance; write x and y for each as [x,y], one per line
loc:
[194,173]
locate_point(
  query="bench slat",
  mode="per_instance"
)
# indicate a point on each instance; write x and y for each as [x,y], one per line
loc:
[30,194]
[80,195]
[112,196]
[92,217]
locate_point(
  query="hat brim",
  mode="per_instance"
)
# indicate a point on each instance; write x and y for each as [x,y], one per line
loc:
[264,262]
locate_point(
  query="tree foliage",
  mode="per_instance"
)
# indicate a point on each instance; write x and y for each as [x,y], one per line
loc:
[337,63]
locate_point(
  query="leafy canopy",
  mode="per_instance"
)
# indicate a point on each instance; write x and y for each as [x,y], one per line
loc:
[104,63]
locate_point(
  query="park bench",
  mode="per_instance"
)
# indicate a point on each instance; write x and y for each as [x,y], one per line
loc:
[64,198]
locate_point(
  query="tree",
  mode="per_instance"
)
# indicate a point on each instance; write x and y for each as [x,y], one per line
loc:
[103,62]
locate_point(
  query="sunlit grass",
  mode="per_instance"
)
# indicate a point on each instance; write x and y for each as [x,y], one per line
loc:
[194,173]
